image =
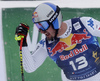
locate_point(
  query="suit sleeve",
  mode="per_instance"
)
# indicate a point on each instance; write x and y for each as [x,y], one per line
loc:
[92,25]
[31,61]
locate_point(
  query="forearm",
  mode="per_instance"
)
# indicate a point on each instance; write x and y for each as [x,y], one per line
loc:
[32,61]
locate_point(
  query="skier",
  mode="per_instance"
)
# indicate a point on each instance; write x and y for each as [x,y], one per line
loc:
[72,44]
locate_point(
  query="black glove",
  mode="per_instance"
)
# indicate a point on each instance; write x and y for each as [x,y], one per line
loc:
[21,32]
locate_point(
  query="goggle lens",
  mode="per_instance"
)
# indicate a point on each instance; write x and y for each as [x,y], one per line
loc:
[42,25]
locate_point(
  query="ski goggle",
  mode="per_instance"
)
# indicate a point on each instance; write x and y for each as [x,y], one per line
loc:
[42,25]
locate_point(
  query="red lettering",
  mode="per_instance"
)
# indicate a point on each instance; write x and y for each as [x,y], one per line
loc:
[66,57]
[76,51]
[85,47]
[81,50]
[62,57]
[71,54]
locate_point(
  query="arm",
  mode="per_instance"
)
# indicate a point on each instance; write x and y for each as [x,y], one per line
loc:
[32,61]
[92,25]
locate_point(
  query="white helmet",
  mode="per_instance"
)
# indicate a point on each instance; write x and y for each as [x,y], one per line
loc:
[47,14]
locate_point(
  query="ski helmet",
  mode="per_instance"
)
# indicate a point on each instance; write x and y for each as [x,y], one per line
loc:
[47,14]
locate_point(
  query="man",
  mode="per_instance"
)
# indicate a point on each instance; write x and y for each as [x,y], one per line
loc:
[71,44]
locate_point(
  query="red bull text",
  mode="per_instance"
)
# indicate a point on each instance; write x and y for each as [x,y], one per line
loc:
[74,53]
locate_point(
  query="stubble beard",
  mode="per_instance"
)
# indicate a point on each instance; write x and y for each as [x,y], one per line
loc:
[50,39]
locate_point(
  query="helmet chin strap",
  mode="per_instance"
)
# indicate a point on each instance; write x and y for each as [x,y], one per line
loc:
[56,34]
[55,37]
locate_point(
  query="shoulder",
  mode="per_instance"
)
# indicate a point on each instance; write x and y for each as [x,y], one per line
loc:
[87,21]
[92,25]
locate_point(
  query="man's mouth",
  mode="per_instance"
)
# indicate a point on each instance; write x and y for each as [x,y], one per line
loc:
[47,34]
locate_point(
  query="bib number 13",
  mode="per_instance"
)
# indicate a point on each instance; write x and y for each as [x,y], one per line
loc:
[81,62]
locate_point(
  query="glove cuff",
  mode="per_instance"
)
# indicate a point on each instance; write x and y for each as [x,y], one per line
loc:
[24,42]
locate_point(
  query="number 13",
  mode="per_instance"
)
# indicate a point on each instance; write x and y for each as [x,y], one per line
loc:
[82,63]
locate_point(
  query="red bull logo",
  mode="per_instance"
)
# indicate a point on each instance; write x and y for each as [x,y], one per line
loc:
[77,38]
[35,15]
[69,42]
[60,46]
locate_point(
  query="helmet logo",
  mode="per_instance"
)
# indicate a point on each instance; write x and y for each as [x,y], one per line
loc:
[35,15]
[50,13]
[53,18]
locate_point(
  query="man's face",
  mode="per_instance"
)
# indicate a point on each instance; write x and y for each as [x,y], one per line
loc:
[49,33]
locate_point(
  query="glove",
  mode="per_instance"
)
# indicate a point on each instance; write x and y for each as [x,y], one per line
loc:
[21,32]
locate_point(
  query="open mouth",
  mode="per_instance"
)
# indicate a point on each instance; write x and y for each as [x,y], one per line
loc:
[47,34]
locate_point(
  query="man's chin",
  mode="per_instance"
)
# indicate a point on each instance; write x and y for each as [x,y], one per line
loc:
[50,38]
